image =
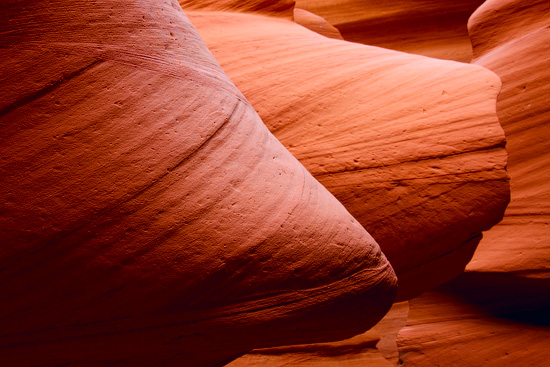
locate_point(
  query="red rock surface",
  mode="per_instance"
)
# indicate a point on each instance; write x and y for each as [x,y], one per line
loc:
[513,39]
[375,348]
[316,23]
[433,28]
[479,319]
[410,145]
[284,8]
[148,216]
[497,314]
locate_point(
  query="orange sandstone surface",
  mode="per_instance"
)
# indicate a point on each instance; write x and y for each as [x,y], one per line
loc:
[433,28]
[410,145]
[283,8]
[316,23]
[497,314]
[375,348]
[148,217]
[479,319]
[512,39]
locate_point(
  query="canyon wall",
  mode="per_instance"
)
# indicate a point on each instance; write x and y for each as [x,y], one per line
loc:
[432,28]
[148,215]
[158,211]
[410,145]
[500,307]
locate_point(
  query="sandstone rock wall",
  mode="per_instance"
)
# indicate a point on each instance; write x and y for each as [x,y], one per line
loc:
[410,145]
[513,39]
[283,8]
[316,23]
[500,307]
[148,217]
[432,28]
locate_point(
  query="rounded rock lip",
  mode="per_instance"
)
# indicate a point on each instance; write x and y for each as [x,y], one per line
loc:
[330,312]
[319,309]
[333,311]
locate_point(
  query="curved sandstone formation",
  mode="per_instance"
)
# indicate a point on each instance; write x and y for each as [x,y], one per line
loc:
[410,145]
[316,23]
[425,27]
[479,319]
[500,306]
[283,8]
[375,348]
[512,38]
[148,217]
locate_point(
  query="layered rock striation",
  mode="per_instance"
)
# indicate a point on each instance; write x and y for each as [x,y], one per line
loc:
[148,217]
[410,145]
[512,39]
[283,8]
[479,319]
[316,23]
[500,306]
[425,27]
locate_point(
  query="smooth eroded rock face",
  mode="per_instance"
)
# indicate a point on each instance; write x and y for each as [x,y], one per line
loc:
[479,319]
[512,38]
[282,8]
[375,348]
[148,215]
[410,145]
[316,23]
[427,27]
[499,308]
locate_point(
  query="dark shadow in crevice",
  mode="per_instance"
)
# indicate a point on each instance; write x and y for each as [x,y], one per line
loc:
[503,295]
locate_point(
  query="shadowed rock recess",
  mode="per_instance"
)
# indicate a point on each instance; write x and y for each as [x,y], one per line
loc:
[284,8]
[434,28]
[148,217]
[512,38]
[410,145]
[500,308]
[316,23]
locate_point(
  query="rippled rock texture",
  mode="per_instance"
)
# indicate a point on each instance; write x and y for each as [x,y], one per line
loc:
[432,28]
[316,23]
[497,314]
[148,215]
[283,8]
[479,319]
[512,39]
[410,145]
[375,348]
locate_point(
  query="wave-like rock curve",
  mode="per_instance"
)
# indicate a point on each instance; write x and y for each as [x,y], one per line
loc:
[410,145]
[282,8]
[512,38]
[500,306]
[425,27]
[148,215]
